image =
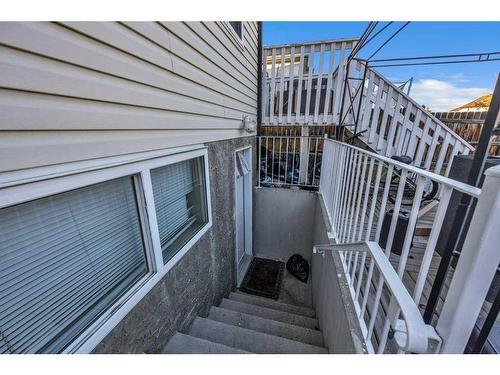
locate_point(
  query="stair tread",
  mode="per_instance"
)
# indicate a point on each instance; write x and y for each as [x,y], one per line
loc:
[247,339]
[181,343]
[266,302]
[268,313]
[269,326]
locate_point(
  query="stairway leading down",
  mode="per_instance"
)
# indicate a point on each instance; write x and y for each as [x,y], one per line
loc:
[245,323]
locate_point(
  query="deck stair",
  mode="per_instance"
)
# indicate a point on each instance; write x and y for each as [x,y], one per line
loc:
[244,323]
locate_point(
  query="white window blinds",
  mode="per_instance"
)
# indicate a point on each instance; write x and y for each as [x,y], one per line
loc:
[64,260]
[180,202]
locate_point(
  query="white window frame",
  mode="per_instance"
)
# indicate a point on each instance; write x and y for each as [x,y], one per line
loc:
[24,186]
[241,41]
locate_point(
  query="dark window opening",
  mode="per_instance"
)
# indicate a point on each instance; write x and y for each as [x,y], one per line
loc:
[237,27]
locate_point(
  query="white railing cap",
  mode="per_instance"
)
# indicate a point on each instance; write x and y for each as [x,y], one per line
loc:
[457,185]
[314,42]
[493,171]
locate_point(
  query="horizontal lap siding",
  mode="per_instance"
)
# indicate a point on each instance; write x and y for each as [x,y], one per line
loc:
[76,91]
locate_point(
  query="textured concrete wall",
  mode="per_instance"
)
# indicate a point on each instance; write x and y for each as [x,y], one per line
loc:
[331,297]
[283,222]
[203,276]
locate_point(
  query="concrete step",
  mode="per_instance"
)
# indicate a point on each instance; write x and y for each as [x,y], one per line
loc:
[271,327]
[266,302]
[246,339]
[267,313]
[186,344]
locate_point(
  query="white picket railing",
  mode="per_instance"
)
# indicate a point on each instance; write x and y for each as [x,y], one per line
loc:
[358,188]
[397,125]
[301,83]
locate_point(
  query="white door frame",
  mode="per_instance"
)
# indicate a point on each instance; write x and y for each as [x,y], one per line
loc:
[247,210]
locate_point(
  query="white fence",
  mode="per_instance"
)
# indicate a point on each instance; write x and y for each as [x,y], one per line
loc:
[358,188]
[301,83]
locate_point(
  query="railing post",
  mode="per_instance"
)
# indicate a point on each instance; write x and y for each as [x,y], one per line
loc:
[304,155]
[475,269]
[261,77]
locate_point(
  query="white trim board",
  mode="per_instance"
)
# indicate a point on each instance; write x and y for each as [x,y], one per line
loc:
[234,35]
[241,267]
[24,176]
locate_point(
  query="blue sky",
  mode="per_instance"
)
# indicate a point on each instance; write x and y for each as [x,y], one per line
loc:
[441,87]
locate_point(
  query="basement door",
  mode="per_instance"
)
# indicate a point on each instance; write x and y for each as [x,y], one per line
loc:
[243,211]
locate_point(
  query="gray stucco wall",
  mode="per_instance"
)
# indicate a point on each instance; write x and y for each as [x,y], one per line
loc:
[331,298]
[203,276]
[283,222]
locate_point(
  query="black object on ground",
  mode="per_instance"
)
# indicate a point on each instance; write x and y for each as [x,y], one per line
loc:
[298,267]
[263,278]
[399,234]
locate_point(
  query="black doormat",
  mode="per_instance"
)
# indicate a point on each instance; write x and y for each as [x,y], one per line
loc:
[263,278]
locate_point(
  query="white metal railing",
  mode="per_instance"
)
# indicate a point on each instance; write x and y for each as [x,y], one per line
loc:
[290,161]
[397,125]
[412,335]
[359,187]
[301,84]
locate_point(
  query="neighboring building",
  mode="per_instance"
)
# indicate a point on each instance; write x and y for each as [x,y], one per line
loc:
[288,67]
[480,104]
[467,121]
[118,146]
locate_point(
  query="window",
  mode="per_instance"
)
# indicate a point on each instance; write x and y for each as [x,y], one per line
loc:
[74,263]
[64,260]
[180,203]
[237,27]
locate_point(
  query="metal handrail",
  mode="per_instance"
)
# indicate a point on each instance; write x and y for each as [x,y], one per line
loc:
[294,152]
[457,185]
[411,332]
[353,203]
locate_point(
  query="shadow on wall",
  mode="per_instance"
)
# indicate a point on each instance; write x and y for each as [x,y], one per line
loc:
[283,223]
[290,222]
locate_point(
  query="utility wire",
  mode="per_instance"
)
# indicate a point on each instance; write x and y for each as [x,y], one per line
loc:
[435,63]
[362,40]
[369,29]
[378,32]
[437,57]
[389,39]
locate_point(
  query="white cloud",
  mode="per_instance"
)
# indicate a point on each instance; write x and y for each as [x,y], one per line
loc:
[459,77]
[443,95]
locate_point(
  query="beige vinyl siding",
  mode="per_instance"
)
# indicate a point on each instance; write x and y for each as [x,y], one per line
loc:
[84,90]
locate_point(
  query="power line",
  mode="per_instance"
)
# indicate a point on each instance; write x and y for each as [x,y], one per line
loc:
[388,40]
[361,42]
[378,32]
[435,63]
[437,57]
